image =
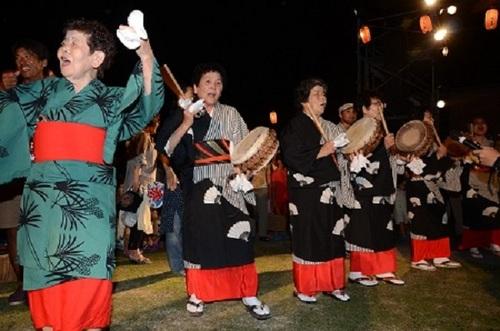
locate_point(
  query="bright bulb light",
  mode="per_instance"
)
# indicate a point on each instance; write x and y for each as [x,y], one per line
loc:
[440,104]
[445,51]
[440,34]
[430,2]
[452,10]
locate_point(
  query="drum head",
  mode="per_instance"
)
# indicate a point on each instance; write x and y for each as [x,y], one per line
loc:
[246,148]
[414,137]
[256,150]
[364,135]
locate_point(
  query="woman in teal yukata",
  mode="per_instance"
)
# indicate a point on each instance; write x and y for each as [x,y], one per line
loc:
[67,227]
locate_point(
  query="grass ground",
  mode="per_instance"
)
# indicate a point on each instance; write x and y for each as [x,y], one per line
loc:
[149,297]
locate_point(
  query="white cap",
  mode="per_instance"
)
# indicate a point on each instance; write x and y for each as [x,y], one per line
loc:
[345,106]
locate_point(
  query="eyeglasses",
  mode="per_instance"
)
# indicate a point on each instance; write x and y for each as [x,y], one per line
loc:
[379,103]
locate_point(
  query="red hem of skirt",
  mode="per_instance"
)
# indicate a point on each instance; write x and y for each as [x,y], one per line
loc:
[222,283]
[429,249]
[479,238]
[373,263]
[328,276]
[72,306]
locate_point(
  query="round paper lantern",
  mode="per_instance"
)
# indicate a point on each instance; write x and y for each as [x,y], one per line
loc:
[491,19]
[425,24]
[364,34]
[273,117]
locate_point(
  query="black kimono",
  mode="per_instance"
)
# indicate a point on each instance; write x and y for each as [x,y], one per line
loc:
[317,221]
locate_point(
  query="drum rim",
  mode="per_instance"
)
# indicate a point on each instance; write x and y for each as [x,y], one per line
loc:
[372,141]
[262,133]
[421,148]
[261,153]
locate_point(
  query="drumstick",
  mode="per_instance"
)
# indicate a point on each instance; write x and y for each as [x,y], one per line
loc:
[438,140]
[316,122]
[383,121]
[320,129]
[171,82]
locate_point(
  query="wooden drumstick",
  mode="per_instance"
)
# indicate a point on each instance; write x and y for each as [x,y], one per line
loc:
[384,123]
[320,129]
[316,122]
[171,82]
[438,140]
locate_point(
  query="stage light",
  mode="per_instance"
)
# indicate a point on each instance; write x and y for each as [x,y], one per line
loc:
[491,19]
[451,10]
[440,104]
[364,34]
[425,24]
[273,117]
[430,2]
[440,34]
[445,51]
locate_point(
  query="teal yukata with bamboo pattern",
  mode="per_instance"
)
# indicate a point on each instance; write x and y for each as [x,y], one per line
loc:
[67,225]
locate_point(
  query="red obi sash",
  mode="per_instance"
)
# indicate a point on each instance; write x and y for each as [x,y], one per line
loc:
[54,141]
[212,151]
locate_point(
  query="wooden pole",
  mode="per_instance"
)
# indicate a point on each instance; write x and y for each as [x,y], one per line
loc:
[384,123]
[171,82]
[320,129]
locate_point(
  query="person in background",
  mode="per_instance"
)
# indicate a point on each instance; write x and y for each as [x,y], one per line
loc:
[66,237]
[260,185]
[347,116]
[480,199]
[278,186]
[171,217]
[31,58]
[316,219]
[141,171]
[178,178]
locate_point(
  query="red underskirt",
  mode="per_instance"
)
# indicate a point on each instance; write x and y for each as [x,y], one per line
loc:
[310,279]
[429,249]
[373,263]
[479,238]
[72,306]
[223,283]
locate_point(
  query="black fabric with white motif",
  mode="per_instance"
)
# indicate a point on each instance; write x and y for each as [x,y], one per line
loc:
[316,219]
[425,204]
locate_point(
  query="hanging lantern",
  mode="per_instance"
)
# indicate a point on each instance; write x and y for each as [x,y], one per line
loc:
[425,24]
[491,19]
[273,117]
[364,34]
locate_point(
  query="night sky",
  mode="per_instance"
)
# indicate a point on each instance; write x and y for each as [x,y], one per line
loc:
[267,47]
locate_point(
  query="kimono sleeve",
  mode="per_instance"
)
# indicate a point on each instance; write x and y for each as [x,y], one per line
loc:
[238,126]
[19,109]
[136,108]
[182,156]
[300,155]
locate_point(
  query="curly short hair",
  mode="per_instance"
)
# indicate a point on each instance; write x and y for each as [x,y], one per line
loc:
[99,39]
[304,89]
[33,46]
[203,68]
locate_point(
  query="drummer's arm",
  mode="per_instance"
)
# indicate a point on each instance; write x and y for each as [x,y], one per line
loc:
[389,141]
[176,137]
[488,156]
[326,149]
